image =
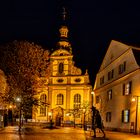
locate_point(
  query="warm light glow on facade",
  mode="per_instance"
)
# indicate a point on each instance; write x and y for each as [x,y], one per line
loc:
[84,110]
[49,113]
[92,92]
[133,99]
[10,106]
[67,114]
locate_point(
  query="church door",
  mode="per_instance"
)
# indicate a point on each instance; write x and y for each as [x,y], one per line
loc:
[58,121]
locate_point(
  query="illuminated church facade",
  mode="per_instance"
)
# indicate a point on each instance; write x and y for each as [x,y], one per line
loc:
[67,90]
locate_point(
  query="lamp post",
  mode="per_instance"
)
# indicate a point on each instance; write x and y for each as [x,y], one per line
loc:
[84,125]
[50,115]
[10,114]
[50,119]
[18,100]
[136,99]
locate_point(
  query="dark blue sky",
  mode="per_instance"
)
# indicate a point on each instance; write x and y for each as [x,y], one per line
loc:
[92,24]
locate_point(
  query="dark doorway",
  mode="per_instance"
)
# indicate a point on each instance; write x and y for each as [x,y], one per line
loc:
[5,120]
[10,117]
[58,121]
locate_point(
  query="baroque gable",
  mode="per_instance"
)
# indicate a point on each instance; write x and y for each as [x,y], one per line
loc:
[75,70]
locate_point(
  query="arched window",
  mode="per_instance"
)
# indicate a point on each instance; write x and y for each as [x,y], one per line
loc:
[77,101]
[60,99]
[61,67]
[43,100]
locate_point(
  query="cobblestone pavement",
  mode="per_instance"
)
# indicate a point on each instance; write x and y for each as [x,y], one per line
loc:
[62,133]
[111,135]
[11,133]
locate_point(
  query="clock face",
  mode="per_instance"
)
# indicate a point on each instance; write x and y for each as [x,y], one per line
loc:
[77,80]
[60,80]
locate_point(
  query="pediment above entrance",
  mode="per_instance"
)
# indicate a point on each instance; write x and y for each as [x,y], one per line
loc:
[58,111]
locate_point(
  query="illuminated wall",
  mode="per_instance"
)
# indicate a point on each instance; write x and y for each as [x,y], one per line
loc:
[117,82]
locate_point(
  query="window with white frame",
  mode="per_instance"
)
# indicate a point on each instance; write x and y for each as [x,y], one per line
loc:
[125,116]
[127,87]
[109,94]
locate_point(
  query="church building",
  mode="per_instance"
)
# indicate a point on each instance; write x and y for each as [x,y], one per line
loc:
[67,92]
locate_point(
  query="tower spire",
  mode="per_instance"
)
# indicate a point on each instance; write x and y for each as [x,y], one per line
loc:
[63,42]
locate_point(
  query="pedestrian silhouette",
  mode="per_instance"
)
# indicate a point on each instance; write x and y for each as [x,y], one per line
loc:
[96,121]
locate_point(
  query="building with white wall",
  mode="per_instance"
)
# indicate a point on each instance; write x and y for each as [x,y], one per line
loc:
[117,88]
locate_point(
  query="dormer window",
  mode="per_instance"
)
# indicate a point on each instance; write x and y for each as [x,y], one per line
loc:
[61,68]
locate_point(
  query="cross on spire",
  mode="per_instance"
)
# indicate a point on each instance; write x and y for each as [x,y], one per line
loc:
[64,13]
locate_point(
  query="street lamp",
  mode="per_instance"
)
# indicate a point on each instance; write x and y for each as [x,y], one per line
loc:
[84,112]
[50,118]
[136,99]
[50,115]
[18,100]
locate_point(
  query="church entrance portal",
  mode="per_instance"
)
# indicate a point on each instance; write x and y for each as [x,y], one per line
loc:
[58,121]
[58,115]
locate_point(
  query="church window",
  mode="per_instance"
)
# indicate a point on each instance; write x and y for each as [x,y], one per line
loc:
[77,80]
[77,101]
[61,67]
[60,80]
[60,99]
[43,99]
[61,54]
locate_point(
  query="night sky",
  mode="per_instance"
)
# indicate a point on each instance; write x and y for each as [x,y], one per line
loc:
[92,24]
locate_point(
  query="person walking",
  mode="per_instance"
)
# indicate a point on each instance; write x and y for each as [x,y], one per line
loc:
[99,123]
[96,121]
